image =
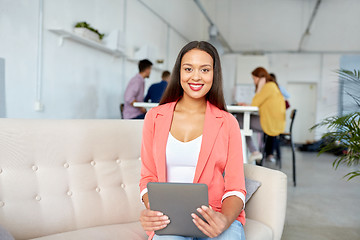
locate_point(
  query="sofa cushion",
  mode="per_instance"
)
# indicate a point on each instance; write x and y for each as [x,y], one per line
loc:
[131,231]
[5,235]
[255,230]
[251,187]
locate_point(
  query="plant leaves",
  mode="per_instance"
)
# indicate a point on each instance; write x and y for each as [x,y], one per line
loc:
[344,130]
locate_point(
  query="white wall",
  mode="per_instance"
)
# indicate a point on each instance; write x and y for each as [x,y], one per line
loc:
[78,81]
[18,24]
[246,64]
[229,70]
[2,89]
[312,69]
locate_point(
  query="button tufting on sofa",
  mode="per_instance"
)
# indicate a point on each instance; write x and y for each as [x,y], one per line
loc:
[2,204]
[118,161]
[35,168]
[97,189]
[93,163]
[37,198]
[122,185]
[70,207]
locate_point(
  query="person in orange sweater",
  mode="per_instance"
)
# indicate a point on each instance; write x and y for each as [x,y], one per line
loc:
[191,138]
[271,119]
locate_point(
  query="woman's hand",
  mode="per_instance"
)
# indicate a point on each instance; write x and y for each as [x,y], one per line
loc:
[153,220]
[216,222]
[242,104]
[261,84]
[143,110]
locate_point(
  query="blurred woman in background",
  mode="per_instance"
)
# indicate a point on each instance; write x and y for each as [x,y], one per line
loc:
[271,119]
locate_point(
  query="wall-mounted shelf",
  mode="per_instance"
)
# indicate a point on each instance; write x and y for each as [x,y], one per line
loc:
[64,34]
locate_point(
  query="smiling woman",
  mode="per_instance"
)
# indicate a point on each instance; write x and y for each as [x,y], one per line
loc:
[209,61]
[192,111]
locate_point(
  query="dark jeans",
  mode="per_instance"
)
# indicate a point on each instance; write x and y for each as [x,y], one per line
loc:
[271,144]
[141,116]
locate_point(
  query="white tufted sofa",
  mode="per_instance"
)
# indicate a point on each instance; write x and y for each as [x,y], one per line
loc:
[78,179]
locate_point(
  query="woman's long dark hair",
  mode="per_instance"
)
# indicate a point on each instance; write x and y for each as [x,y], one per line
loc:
[174,91]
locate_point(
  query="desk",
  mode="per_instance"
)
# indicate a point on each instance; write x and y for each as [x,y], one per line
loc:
[247,110]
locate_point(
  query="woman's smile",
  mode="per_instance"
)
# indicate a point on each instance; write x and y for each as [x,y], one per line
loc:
[196,86]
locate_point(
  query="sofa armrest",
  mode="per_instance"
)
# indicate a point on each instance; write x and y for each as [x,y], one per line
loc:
[268,203]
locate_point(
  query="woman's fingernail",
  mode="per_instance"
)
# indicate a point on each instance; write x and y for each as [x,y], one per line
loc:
[194,220]
[193,215]
[199,210]
[160,214]
[204,207]
[164,218]
[167,221]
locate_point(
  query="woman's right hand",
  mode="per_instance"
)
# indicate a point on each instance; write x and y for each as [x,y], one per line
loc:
[261,84]
[153,220]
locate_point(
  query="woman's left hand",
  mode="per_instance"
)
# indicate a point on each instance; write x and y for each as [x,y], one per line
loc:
[242,104]
[216,222]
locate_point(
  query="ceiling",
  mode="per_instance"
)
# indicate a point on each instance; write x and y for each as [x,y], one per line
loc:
[272,25]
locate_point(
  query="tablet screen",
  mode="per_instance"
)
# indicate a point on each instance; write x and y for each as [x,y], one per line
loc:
[178,201]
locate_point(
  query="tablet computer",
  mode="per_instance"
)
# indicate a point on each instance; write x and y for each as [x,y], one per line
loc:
[178,201]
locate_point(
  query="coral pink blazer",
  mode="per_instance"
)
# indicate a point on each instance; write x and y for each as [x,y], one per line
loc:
[221,150]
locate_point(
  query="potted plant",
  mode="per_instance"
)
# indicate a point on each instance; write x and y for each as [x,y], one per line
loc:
[85,30]
[344,130]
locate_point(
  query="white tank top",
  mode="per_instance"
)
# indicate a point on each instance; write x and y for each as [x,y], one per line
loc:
[181,159]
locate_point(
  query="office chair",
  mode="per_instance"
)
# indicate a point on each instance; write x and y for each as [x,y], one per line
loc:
[288,137]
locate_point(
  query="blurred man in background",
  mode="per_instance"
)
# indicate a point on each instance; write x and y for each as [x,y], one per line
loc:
[156,90]
[135,92]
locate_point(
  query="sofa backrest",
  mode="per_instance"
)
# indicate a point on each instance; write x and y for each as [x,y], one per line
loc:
[63,175]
